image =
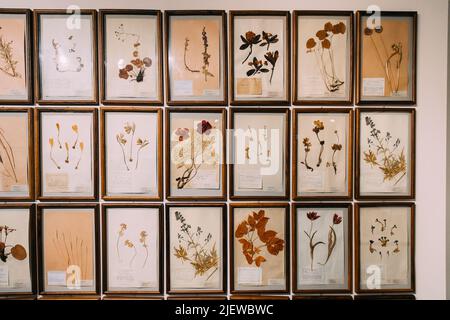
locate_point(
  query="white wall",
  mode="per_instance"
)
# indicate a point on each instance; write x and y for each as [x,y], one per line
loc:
[432,87]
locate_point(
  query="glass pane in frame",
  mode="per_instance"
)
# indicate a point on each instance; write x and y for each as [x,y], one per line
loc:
[323,248]
[133,243]
[385,247]
[132,56]
[16,250]
[16,85]
[68,250]
[132,159]
[67,57]
[196,57]
[324,52]
[266,228]
[196,255]
[15,178]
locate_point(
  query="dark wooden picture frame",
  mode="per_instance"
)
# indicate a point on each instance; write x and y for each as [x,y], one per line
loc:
[296,144]
[413,43]
[224,278]
[287,72]
[37,64]
[28,57]
[287,246]
[103,151]
[103,13]
[287,143]
[138,293]
[412,208]
[223,183]
[31,169]
[296,48]
[349,247]
[358,160]
[31,207]
[168,14]
[40,249]
[38,153]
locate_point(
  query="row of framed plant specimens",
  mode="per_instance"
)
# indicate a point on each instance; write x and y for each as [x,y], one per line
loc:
[260,238]
[66,161]
[196,57]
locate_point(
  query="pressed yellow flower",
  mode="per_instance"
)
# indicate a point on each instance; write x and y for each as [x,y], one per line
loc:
[75,128]
[81,145]
[129,244]
[51,142]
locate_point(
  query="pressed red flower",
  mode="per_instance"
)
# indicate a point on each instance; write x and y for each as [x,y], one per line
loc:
[204,127]
[337,219]
[128,67]
[312,215]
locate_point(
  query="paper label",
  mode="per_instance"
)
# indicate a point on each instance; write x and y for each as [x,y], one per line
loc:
[312,86]
[19,188]
[312,181]
[4,276]
[250,179]
[249,276]
[211,92]
[56,278]
[183,87]
[57,182]
[276,282]
[205,179]
[373,86]
[249,86]
[316,275]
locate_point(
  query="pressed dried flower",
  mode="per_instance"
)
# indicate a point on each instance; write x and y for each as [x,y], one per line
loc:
[328,26]
[311,43]
[204,127]
[313,215]
[321,34]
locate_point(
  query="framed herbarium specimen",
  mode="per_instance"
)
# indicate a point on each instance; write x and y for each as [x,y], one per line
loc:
[131,147]
[386,58]
[132,248]
[323,153]
[17,250]
[16,154]
[196,248]
[384,241]
[323,57]
[66,157]
[322,248]
[385,153]
[131,53]
[66,57]
[195,154]
[196,57]
[69,249]
[16,76]
[259,243]
[260,144]
[260,57]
